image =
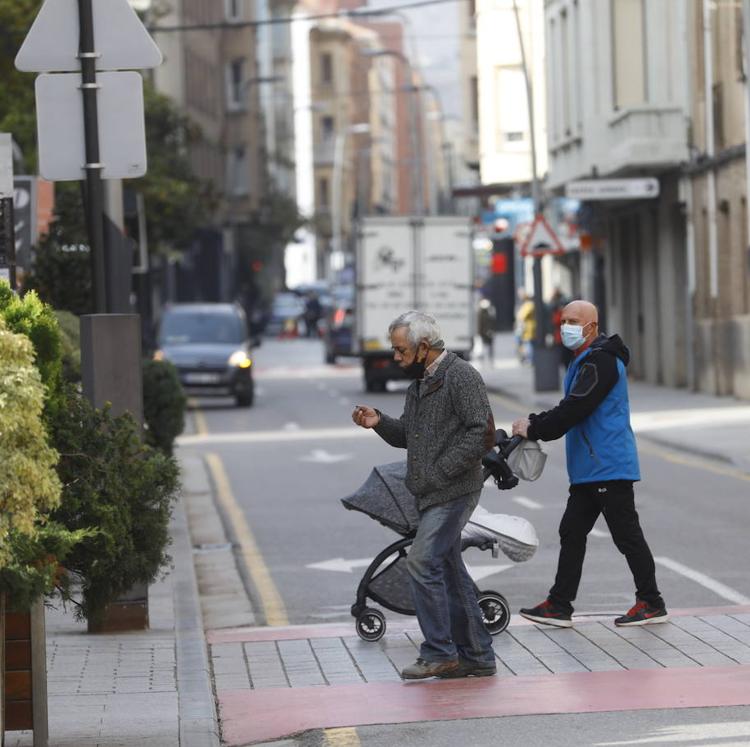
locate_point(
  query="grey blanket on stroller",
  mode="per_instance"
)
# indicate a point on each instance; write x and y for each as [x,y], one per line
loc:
[385,498]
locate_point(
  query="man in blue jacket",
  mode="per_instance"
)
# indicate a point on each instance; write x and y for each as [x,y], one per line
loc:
[602,461]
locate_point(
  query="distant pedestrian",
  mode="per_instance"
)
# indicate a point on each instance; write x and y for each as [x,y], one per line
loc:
[446,428]
[313,312]
[525,327]
[602,461]
[486,328]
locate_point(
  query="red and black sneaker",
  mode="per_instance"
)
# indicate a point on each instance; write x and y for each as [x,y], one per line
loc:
[548,613]
[642,613]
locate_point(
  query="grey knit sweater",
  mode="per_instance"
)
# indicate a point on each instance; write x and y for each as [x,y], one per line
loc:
[446,428]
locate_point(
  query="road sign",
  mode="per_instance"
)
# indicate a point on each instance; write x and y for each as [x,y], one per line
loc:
[6,165]
[541,240]
[25,216]
[121,39]
[122,138]
[613,189]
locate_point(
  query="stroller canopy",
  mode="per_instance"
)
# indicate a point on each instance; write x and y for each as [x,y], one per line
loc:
[385,498]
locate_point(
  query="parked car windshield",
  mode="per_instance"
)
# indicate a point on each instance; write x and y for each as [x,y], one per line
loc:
[201,327]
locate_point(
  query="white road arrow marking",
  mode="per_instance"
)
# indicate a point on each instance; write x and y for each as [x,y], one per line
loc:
[340,565]
[320,456]
[478,572]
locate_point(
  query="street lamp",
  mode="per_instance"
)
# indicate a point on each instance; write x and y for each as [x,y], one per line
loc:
[360,128]
[417,177]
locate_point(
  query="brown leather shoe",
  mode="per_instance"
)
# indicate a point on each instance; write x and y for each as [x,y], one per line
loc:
[422,669]
[470,669]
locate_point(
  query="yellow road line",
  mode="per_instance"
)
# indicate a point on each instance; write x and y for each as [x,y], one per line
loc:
[249,555]
[344,737]
[201,426]
[688,460]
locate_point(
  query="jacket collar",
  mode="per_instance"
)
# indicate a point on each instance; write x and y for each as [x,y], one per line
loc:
[434,382]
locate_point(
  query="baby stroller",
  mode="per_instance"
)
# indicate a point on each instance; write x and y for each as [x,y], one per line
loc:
[385,498]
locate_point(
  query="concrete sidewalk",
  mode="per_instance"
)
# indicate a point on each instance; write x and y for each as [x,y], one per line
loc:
[275,682]
[142,689]
[700,424]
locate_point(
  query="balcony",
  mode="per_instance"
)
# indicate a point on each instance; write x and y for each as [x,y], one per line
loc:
[645,138]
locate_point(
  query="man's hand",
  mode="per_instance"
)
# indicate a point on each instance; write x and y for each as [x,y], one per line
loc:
[521,427]
[366,417]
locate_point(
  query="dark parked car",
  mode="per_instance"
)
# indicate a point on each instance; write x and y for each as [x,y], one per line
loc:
[338,330]
[286,315]
[210,346]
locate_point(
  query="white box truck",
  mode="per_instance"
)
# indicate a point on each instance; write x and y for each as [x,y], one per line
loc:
[407,263]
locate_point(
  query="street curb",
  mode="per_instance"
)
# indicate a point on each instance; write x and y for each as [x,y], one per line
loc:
[656,440]
[198,720]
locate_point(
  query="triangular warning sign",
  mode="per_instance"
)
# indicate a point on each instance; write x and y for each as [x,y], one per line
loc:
[541,239]
[120,39]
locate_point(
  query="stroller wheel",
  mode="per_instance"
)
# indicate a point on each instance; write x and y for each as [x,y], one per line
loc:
[370,624]
[495,611]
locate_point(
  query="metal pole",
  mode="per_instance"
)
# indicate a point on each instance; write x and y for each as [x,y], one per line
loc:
[535,191]
[417,135]
[93,197]
[337,191]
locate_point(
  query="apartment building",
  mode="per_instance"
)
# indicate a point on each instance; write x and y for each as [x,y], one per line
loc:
[618,106]
[504,129]
[212,75]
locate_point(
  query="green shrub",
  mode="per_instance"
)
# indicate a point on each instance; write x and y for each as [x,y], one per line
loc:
[29,485]
[36,320]
[70,329]
[122,488]
[164,404]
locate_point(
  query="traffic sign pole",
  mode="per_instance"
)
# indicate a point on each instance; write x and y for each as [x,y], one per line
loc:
[93,192]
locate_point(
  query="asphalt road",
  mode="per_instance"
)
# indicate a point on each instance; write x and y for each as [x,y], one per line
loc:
[291,457]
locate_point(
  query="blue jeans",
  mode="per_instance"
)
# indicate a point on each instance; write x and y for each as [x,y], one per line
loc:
[444,593]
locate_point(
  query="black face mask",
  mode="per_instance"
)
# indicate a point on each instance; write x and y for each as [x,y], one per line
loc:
[416,369]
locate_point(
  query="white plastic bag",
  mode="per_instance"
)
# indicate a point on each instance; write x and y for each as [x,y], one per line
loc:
[527,460]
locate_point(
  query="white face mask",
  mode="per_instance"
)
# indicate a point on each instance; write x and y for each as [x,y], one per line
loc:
[572,335]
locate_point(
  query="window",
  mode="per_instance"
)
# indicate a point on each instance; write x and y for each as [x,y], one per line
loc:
[326,69]
[512,120]
[474,88]
[237,182]
[629,63]
[324,197]
[565,70]
[236,85]
[327,129]
[233,10]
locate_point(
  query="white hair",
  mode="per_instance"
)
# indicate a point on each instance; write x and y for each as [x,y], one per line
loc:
[419,327]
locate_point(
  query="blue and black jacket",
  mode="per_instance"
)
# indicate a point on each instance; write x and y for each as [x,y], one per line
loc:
[594,416]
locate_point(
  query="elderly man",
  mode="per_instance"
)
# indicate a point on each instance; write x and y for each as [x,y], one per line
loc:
[446,428]
[602,461]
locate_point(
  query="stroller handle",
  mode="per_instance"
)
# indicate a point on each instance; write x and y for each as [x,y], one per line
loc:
[494,462]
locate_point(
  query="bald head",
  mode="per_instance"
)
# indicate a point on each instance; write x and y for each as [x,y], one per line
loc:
[584,315]
[580,312]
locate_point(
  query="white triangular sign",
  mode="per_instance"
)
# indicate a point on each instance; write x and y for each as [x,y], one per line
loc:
[120,39]
[541,239]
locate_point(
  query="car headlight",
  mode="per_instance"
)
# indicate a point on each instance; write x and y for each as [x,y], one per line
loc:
[240,359]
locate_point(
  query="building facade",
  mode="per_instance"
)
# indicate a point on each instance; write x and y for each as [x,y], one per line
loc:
[716,196]
[618,107]
[212,76]
[504,129]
